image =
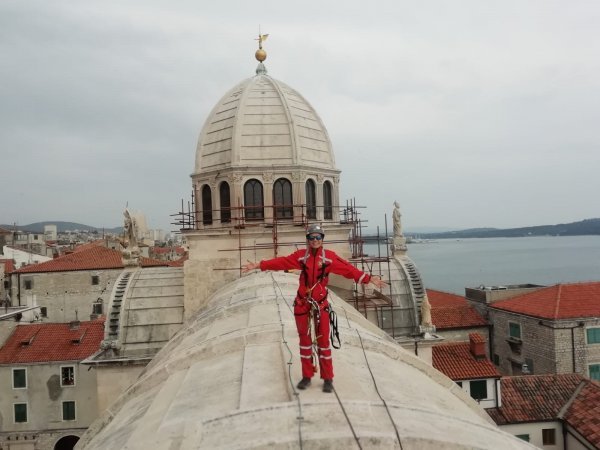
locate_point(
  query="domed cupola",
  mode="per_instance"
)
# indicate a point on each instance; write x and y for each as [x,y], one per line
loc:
[263,122]
[264,146]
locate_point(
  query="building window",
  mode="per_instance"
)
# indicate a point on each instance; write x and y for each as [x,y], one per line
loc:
[43,311]
[225,202]
[95,279]
[311,199]
[206,205]
[496,359]
[514,330]
[28,283]
[19,378]
[593,335]
[97,308]
[594,372]
[282,199]
[6,284]
[253,200]
[67,376]
[68,410]
[327,201]
[548,436]
[478,389]
[527,367]
[523,437]
[20,410]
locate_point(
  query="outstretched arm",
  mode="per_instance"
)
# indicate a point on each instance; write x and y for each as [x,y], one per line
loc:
[378,281]
[289,262]
[250,266]
[344,268]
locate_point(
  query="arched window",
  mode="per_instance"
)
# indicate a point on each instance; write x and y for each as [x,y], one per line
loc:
[327,201]
[282,199]
[206,205]
[225,202]
[311,199]
[253,200]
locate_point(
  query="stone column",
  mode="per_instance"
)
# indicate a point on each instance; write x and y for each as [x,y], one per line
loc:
[336,199]
[319,197]
[216,214]
[298,196]
[237,198]
[267,180]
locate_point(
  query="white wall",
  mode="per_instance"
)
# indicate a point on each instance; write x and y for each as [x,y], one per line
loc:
[44,396]
[22,257]
[534,430]
[490,401]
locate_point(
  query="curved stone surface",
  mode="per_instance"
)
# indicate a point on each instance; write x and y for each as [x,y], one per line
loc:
[263,122]
[144,312]
[227,381]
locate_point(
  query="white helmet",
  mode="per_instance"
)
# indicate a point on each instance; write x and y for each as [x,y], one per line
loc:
[315,228]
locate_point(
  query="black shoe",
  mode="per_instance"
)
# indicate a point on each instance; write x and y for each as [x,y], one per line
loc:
[304,383]
[328,386]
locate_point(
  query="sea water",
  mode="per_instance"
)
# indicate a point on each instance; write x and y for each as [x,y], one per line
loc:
[451,265]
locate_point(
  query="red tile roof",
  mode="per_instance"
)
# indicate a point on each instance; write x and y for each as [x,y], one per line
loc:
[46,342]
[455,360]
[584,413]
[91,257]
[563,301]
[536,398]
[88,245]
[450,311]
[179,262]
[9,265]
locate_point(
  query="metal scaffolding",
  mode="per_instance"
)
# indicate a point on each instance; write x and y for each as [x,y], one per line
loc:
[375,307]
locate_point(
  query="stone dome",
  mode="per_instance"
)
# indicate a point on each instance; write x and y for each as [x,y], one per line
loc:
[144,312]
[262,122]
[227,381]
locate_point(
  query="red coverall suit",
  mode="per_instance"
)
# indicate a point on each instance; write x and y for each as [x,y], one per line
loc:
[313,281]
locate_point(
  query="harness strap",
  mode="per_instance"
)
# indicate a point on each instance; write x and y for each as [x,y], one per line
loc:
[334,334]
[325,262]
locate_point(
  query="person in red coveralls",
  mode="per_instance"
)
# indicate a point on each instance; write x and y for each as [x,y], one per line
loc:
[315,264]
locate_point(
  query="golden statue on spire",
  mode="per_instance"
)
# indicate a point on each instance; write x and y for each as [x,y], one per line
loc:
[260,54]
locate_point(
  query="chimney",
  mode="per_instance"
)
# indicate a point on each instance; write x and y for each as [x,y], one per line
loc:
[477,345]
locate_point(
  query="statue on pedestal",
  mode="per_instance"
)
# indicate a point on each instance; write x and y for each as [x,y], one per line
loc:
[426,313]
[131,250]
[397,222]
[398,240]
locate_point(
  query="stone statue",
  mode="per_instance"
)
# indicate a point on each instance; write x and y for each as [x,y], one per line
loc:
[131,251]
[397,223]
[130,229]
[426,313]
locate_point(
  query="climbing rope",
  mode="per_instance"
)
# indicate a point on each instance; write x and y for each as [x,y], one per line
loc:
[300,418]
[377,390]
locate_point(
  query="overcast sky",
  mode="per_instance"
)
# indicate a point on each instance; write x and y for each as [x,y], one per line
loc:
[468,113]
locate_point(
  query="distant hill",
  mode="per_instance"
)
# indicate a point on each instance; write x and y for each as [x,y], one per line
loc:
[38,227]
[583,227]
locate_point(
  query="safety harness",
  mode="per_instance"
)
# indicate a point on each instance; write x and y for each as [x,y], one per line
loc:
[314,310]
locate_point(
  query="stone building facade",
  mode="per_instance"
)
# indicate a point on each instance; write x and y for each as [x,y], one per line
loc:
[552,330]
[65,296]
[47,395]
[75,286]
